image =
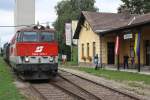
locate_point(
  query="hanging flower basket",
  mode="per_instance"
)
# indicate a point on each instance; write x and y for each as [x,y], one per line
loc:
[83,58]
[89,58]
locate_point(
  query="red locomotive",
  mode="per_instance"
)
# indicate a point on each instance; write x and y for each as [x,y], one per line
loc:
[33,53]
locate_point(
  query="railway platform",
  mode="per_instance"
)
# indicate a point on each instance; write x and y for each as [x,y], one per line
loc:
[130,70]
[110,83]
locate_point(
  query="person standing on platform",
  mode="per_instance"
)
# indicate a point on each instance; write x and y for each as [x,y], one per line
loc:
[96,62]
[126,57]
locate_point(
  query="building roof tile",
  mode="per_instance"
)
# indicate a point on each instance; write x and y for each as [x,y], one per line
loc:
[106,22]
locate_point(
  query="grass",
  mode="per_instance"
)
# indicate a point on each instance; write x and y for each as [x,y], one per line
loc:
[74,55]
[74,59]
[8,91]
[117,75]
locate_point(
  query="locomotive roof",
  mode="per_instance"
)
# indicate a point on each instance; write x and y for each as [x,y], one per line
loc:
[35,28]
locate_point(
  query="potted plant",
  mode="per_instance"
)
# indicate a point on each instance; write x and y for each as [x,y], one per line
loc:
[89,58]
[83,58]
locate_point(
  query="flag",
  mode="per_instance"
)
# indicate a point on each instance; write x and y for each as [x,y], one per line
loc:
[117,45]
[137,44]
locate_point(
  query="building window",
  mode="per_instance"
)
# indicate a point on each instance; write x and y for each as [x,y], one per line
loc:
[88,50]
[94,49]
[82,50]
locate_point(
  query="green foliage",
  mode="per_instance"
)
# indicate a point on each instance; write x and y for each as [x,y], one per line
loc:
[8,90]
[135,6]
[75,55]
[68,10]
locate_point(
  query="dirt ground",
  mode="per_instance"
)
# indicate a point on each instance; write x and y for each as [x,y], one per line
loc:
[26,90]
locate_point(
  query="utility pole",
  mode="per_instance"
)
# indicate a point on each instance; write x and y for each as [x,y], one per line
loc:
[0,43]
[0,47]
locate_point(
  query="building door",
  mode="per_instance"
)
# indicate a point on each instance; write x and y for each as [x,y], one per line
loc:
[148,52]
[110,52]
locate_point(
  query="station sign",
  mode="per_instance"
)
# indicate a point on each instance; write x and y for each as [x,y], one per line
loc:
[128,36]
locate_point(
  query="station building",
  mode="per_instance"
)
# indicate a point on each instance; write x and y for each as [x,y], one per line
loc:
[96,33]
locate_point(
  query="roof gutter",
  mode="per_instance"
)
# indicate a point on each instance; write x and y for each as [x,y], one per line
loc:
[100,31]
[125,27]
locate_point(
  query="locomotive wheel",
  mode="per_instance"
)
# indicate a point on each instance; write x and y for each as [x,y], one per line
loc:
[15,71]
[54,74]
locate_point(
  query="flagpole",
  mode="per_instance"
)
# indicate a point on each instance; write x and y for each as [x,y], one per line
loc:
[139,53]
[137,48]
[117,52]
[139,64]
[118,67]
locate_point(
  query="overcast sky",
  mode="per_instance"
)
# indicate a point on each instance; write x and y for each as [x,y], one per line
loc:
[45,12]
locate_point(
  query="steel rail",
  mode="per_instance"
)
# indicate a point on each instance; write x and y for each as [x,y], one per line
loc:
[108,87]
[38,92]
[97,98]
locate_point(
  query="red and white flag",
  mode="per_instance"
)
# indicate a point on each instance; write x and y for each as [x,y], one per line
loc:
[117,45]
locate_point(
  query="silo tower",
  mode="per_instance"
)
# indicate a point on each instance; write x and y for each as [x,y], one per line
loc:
[24,13]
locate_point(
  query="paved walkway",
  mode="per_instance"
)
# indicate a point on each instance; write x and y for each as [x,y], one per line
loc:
[145,72]
[130,70]
[109,83]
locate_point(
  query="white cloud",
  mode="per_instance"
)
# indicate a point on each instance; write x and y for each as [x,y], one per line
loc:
[45,12]
[6,19]
[108,5]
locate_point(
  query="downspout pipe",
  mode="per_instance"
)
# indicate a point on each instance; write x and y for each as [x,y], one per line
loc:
[100,38]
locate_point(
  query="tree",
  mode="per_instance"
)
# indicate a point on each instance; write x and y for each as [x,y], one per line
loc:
[68,10]
[135,6]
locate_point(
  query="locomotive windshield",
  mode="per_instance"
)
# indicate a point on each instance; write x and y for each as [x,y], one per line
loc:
[46,37]
[30,37]
[37,37]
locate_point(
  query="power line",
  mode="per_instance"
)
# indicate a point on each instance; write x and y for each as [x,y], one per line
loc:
[15,26]
[24,25]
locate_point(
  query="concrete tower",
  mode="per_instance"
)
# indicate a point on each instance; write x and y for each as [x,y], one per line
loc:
[24,12]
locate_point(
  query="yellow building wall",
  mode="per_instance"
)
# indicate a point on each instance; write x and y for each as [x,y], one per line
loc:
[125,46]
[145,36]
[105,40]
[88,36]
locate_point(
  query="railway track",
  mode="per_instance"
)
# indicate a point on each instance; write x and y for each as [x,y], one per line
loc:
[100,91]
[62,89]
[47,91]
[74,89]
[68,86]
[58,89]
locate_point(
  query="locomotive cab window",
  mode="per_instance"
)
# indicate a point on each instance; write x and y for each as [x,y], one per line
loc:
[46,37]
[30,36]
[18,37]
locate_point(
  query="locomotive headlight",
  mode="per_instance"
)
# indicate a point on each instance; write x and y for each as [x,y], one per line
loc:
[26,59]
[51,59]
